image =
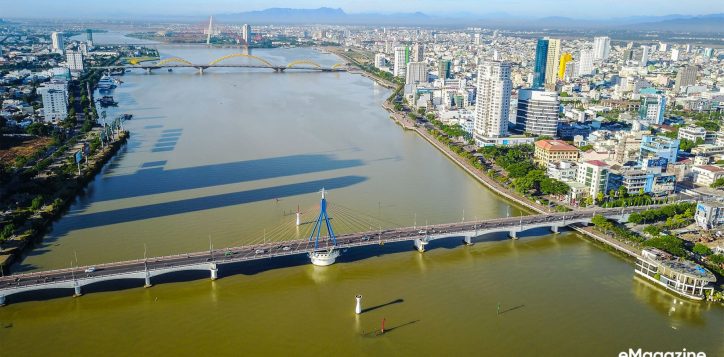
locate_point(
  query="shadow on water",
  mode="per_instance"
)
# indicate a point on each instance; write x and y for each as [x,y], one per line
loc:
[82,221]
[388,330]
[155,180]
[512,309]
[372,308]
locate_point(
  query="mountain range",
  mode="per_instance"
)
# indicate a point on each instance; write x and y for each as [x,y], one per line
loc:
[332,16]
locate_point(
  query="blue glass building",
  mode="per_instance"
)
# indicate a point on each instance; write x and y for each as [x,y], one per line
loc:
[541,57]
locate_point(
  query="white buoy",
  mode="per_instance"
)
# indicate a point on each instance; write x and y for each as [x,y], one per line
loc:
[358,308]
[299,217]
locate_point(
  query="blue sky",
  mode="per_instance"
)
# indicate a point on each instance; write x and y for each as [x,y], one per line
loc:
[536,8]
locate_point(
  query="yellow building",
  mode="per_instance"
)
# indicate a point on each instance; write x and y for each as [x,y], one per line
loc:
[550,151]
[565,58]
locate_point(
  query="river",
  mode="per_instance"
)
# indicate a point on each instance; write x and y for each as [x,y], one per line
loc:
[227,157]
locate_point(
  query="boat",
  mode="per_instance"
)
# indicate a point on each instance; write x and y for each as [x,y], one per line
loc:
[107,101]
[683,277]
[106,82]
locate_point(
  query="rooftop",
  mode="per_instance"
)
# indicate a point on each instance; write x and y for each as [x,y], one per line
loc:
[555,145]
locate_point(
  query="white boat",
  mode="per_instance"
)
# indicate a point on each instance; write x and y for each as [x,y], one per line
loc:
[324,257]
[106,82]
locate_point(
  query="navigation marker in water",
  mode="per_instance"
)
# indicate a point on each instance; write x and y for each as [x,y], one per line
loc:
[358,308]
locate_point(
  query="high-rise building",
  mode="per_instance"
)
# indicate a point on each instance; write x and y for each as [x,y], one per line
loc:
[644,56]
[477,39]
[74,61]
[601,48]
[652,108]
[685,77]
[663,47]
[492,107]
[594,175]
[379,60]
[246,33]
[418,53]
[55,102]
[585,63]
[554,54]
[89,35]
[400,63]
[541,58]
[58,44]
[416,73]
[674,54]
[565,58]
[537,112]
[444,69]
[628,55]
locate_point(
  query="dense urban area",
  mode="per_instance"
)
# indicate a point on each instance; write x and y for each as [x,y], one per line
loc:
[558,123]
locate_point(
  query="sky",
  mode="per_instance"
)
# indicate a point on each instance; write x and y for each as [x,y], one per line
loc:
[527,8]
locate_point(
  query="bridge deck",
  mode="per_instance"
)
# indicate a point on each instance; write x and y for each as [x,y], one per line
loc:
[161,265]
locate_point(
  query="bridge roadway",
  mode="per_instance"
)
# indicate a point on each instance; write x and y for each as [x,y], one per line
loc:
[202,67]
[74,278]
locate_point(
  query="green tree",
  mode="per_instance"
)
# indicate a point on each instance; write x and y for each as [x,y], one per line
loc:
[7,231]
[701,249]
[36,203]
[668,243]
[652,230]
[718,183]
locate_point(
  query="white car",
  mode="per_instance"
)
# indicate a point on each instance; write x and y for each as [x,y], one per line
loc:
[259,251]
[90,270]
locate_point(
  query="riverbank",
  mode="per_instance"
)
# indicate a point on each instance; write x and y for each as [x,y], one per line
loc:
[496,187]
[42,219]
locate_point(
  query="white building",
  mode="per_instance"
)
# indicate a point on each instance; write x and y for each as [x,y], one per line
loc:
[652,108]
[585,63]
[55,102]
[399,65]
[705,175]
[58,45]
[492,107]
[418,53]
[674,54]
[601,48]
[538,112]
[416,73]
[644,56]
[379,60]
[74,61]
[594,175]
[246,33]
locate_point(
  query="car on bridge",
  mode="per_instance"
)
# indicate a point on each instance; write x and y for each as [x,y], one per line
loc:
[90,269]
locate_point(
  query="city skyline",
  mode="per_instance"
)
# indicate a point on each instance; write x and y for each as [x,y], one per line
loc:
[456,8]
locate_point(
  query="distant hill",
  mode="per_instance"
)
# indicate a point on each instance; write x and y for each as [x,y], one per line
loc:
[332,16]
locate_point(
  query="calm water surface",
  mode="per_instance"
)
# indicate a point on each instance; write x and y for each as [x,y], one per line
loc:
[226,156]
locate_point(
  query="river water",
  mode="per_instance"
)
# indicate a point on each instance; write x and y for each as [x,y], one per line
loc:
[226,157]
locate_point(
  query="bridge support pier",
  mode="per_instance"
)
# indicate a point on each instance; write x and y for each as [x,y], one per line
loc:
[76,290]
[420,244]
[214,271]
[513,235]
[554,229]
[2,300]
[147,280]
[468,240]
[201,70]
[148,71]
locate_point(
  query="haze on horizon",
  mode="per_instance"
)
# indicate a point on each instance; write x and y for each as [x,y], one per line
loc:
[525,8]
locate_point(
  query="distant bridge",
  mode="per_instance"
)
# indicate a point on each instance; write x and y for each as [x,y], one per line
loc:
[145,269]
[259,62]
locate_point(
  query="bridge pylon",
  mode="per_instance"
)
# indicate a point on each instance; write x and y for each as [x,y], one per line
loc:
[323,257]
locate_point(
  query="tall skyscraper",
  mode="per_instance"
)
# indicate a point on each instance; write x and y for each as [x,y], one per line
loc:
[492,107]
[675,54]
[585,63]
[444,69]
[685,77]
[541,56]
[601,48]
[58,45]
[554,54]
[477,39]
[55,102]
[644,56]
[400,63]
[416,73]
[538,112]
[246,33]
[565,58]
[418,53]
